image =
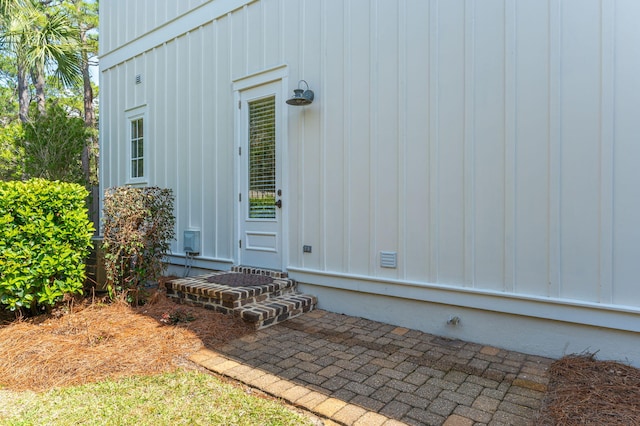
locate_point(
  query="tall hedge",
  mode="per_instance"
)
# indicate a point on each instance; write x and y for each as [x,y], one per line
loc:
[45,236]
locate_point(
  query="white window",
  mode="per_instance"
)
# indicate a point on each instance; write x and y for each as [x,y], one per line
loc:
[138,145]
[137,148]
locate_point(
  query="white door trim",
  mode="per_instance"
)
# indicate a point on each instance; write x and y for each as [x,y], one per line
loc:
[279,76]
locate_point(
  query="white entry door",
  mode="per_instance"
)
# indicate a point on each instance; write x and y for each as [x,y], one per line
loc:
[260,195]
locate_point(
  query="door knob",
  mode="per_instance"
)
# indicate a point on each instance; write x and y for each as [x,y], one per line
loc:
[278,204]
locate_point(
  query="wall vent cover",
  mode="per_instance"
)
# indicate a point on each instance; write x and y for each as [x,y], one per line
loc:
[388,259]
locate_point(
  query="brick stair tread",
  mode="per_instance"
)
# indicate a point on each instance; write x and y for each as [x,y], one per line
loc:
[200,286]
[275,306]
[261,305]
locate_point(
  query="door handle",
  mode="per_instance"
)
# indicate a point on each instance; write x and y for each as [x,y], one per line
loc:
[278,204]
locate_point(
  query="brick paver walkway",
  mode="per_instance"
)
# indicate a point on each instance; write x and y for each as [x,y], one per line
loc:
[354,371]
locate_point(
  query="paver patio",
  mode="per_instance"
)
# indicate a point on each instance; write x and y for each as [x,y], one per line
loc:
[354,371]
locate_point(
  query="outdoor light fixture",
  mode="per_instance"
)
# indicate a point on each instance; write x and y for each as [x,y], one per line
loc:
[300,96]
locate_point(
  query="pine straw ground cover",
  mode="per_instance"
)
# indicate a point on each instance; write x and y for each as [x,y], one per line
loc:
[585,391]
[94,342]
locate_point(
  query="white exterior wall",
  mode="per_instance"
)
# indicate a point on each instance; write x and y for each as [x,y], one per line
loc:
[493,145]
[123,21]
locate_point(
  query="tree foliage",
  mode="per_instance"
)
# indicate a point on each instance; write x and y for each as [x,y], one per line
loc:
[11,151]
[52,145]
[46,50]
[40,38]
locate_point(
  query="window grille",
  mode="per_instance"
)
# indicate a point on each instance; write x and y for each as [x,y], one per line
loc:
[262,158]
[137,148]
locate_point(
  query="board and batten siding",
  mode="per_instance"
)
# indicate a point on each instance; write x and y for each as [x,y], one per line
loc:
[492,144]
[123,21]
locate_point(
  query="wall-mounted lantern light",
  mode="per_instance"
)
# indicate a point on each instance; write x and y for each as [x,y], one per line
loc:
[300,96]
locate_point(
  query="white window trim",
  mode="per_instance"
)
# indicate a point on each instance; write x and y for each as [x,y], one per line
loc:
[131,115]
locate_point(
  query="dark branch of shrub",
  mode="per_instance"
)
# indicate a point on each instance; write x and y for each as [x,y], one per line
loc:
[138,227]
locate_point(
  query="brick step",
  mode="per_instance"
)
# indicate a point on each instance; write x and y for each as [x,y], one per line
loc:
[256,271]
[264,304]
[276,309]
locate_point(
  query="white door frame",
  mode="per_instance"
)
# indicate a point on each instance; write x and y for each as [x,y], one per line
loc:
[279,77]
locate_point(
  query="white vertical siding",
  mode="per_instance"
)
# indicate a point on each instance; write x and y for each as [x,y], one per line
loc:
[333,124]
[488,144]
[309,40]
[492,144]
[579,151]
[626,152]
[449,206]
[531,138]
[122,21]
[385,144]
[414,117]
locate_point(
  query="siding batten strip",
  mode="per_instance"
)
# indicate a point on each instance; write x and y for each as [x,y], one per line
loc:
[373,125]
[607,138]
[177,194]
[263,59]
[347,134]
[245,19]
[434,140]
[282,21]
[215,136]
[401,202]
[189,132]
[469,140]
[555,142]
[204,223]
[301,137]
[160,154]
[165,96]
[510,143]
[324,196]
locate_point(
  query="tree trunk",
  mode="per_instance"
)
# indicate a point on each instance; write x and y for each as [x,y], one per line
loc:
[89,113]
[39,83]
[90,123]
[23,94]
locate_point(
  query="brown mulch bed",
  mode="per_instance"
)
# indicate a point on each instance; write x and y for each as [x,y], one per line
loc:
[585,391]
[98,341]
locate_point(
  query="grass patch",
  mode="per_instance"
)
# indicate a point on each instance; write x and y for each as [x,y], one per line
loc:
[180,398]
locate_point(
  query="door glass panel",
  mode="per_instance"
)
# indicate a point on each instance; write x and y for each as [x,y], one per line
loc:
[262,158]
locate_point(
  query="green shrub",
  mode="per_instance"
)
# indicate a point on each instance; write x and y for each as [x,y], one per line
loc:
[45,236]
[138,225]
[11,152]
[53,144]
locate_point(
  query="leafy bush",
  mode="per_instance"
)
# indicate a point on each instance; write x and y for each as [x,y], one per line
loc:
[45,235]
[11,152]
[138,227]
[53,145]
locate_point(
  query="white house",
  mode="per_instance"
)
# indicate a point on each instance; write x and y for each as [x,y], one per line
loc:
[477,159]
